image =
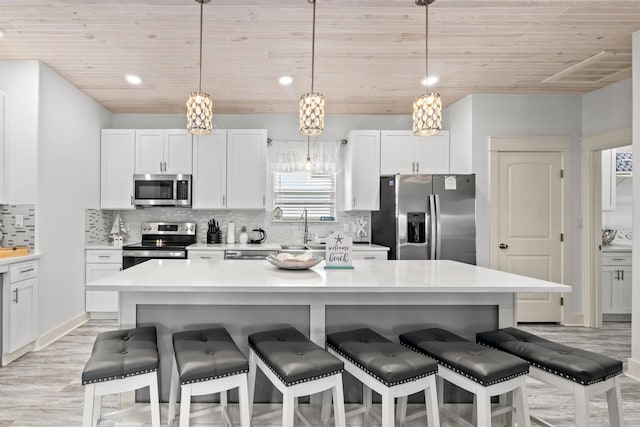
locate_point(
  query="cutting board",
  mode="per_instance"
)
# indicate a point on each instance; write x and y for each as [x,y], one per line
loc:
[14,251]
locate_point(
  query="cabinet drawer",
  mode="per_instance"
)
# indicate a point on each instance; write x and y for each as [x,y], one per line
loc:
[104,257]
[206,255]
[379,255]
[23,271]
[621,259]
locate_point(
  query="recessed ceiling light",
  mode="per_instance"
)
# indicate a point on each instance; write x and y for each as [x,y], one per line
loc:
[285,80]
[132,79]
[430,81]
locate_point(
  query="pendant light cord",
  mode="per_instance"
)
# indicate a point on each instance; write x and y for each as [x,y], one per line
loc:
[426,47]
[201,13]
[313,44]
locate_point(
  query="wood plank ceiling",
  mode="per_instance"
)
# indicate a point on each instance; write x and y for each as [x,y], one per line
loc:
[369,53]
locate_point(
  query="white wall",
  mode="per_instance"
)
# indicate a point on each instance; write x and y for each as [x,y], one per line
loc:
[634,363]
[607,108]
[19,81]
[69,182]
[458,118]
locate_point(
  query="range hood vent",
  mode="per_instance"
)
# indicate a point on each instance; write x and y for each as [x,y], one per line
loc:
[608,65]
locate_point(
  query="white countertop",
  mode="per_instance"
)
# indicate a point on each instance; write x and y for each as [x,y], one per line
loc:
[269,247]
[14,259]
[368,276]
[617,248]
[103,247]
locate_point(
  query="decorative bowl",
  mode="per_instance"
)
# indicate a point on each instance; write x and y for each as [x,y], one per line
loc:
[293,264]
[607,236]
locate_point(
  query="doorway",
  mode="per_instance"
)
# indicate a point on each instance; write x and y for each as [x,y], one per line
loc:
[529,210]
[592,219]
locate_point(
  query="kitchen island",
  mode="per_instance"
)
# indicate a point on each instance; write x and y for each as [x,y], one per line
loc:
[391,297]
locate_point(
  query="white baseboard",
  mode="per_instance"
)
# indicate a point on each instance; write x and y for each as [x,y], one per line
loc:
[633,369]
[57,333]
[10,357]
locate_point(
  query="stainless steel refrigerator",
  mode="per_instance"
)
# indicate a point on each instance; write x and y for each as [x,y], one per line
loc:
[427,217]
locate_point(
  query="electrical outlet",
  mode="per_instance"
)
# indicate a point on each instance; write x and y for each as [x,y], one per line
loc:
[19,221]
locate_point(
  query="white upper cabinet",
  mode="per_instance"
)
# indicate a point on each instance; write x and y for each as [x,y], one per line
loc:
[160,151]
[246,168]
[362,171]
[210,170]
[117,154]
[404,153]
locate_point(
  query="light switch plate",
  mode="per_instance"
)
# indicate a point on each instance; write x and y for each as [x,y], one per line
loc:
[19,221]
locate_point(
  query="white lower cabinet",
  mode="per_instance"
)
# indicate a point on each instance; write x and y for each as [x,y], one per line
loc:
[616,284]
[22,284]
[364,254]
[206,255]
[100,263]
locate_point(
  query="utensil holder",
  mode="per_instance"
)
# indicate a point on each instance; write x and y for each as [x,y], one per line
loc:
[212,237]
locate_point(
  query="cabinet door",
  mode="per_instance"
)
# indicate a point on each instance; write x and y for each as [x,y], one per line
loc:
[431,153]
[396,152]
[608,280]
[117,156]
[609,180]
[150,151]
[22,314]
[210,170]
[178,152]
[246,168]
[101,301]
[623,291]
[362,171]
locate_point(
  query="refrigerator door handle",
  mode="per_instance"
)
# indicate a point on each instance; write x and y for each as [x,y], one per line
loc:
[438,227]
[432,215]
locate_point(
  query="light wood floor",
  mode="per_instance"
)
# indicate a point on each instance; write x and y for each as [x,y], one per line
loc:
[43,388]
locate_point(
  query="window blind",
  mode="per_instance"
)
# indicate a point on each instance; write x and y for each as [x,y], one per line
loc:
[295,191]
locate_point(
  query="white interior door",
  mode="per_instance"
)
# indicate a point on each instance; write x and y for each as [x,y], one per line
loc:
[530,226]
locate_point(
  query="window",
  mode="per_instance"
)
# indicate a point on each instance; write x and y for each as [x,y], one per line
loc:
[295,191]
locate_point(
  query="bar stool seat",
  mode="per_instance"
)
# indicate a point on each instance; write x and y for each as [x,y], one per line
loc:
[296,367]
[387,368]
[207,361]
[121,361]
[581,372]
[482,371]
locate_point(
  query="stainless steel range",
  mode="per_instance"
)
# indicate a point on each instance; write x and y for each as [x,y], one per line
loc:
[160,240]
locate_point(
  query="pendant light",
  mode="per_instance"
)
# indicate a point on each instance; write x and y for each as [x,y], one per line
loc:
[312,103]
[199,104]
[427,109]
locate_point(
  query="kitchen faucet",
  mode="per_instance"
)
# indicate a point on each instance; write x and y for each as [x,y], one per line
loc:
[306,238]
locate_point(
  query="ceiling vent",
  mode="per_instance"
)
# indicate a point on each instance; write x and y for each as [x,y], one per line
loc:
[608,65]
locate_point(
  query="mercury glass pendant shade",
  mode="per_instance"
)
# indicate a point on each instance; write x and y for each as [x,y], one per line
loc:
[199,113]
[427,115]
[311,114]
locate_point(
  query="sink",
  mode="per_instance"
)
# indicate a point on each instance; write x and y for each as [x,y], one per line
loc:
[315,250]
[316,247]
[293,247]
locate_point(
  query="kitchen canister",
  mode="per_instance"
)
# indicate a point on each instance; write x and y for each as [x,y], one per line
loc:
[231,232]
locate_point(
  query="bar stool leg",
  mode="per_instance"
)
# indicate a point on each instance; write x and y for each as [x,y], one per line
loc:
[483,403]
[244,403]
[288,409]
[614,402]
[253,366]
[401,410]
[154,401]
[185,405]
[223,407]
[431,401]
[522,407]
[89,400]
[173,394]
[338,404]
[325,414]
[387,410]
[583,406]
[97,407]
[295,412]
[366,401]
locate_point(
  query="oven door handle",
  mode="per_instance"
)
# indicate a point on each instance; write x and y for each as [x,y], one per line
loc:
[154,254]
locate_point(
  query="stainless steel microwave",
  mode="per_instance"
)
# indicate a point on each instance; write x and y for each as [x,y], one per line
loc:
[162,190]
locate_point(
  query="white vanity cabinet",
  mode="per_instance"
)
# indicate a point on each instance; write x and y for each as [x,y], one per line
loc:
[21,298]
[616,283]
[163,151]
[362,171]
[206,255]
[100,263]
[117,161]
[401,152]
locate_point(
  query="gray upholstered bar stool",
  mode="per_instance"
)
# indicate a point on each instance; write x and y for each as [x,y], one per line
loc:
[387,368]
[207,361]
[121,361]
[583,373]
[479,370]
[296,367]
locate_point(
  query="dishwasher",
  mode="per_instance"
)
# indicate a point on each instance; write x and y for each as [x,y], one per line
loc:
[249,254]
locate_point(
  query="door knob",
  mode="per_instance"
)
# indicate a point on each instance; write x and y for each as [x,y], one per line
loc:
[503,246]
